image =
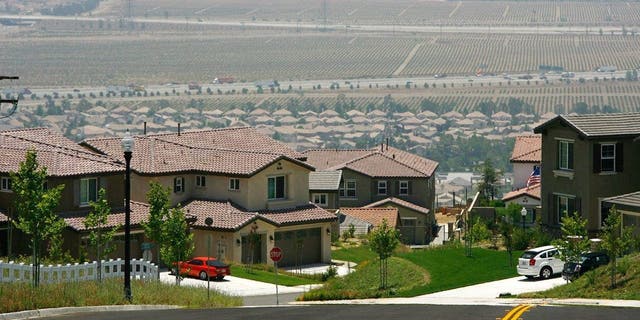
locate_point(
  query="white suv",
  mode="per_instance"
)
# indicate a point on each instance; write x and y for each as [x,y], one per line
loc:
[541,261]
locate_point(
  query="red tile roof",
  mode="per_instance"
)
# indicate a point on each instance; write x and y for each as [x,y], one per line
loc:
[376,162]
[373,215]
[527,149]
[533,191]
[232,151]
[61,156]
[139,214]
[399,202]
[228,216]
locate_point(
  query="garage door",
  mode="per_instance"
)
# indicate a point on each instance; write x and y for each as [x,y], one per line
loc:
[299,247]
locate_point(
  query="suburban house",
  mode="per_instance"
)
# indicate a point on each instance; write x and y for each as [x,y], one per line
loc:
[323,188]
[254,189]
[373,176]
[587,162]
[81,171]
[363,220]
[526,160]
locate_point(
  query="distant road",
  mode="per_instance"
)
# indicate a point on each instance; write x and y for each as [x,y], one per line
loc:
[376,83]
[350,28]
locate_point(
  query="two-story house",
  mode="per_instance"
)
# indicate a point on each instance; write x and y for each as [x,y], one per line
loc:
[245,184]
[81,171]
[585,160]
[526,159]
[381,175]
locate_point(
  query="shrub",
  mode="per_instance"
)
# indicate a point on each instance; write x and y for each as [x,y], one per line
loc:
[521,239]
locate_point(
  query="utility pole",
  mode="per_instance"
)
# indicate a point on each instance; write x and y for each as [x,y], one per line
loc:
[13,102]
[324,15]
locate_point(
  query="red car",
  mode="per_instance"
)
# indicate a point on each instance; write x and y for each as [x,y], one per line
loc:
[201,266]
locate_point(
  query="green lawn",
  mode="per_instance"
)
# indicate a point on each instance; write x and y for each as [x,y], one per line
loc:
[266,273]
[416,272]
[450,268]
[403,276]
[354,254]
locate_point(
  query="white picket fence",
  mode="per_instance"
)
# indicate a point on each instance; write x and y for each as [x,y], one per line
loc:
[140,269]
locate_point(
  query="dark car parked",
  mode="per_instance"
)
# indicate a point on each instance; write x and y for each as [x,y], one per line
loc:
[588,261]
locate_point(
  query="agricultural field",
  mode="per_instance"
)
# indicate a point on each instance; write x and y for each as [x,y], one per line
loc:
[398,12]
[152,58]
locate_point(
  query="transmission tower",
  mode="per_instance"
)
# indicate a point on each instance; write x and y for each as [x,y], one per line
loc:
[324,15]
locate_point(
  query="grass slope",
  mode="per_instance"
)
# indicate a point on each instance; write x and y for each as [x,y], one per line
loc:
[402,276]
[596,284]
[19,296]
[450,268]
[266,273]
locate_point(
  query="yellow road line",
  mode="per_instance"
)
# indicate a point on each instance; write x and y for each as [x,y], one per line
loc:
[516,312]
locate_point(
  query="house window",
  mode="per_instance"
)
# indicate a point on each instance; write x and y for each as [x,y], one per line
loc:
[320,199]
[564,205]
[201,181]
[88,190]
[348,189]
[382,187]
[275,188]
[234,184]
[5,184]
[565,155]
[178,184]
[608,157]
[403,188]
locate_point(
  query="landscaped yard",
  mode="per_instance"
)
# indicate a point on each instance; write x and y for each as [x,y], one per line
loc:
[417,272]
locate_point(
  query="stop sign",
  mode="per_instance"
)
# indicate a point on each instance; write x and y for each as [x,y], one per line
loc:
[275,254]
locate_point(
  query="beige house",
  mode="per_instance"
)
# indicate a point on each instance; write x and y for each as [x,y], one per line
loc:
[250,185]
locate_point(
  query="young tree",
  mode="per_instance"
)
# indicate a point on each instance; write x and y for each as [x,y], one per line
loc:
[616,240]
[506,230]
[575,240]
[34,206]
[158,198]
[100,237]
[487,186]
[177,241]
[383,240]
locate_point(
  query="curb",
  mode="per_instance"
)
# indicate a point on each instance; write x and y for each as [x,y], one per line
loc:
[52,312]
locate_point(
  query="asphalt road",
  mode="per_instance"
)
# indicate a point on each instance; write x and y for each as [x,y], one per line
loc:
[368,312]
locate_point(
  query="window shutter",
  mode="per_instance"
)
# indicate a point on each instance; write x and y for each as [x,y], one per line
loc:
[175,185]
[551,212]
[410,191]
[570,155]
[596,157]
[397,191]
[76,192]
[619,157]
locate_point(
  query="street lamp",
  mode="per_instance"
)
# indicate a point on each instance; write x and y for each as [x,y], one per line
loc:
[523,213]
[127,147]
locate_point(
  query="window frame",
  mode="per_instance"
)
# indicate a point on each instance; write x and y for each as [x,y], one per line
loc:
[201,181]
[565,154]
[405,188]
[382,186]
[321,196]
[612,158]
[564,209]
[5,184]
[345,189]
[178,185]
[234,184]
[283,189]
[87,193]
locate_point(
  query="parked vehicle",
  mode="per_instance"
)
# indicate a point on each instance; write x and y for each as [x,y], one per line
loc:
[541,261]
[588,261]
[200,267]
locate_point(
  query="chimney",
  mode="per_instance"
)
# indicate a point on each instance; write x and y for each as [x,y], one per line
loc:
[381,147]
[387,144]
[178,129]
[144,131]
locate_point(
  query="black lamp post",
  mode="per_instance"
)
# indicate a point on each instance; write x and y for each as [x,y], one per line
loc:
[127,147]
[523,213]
